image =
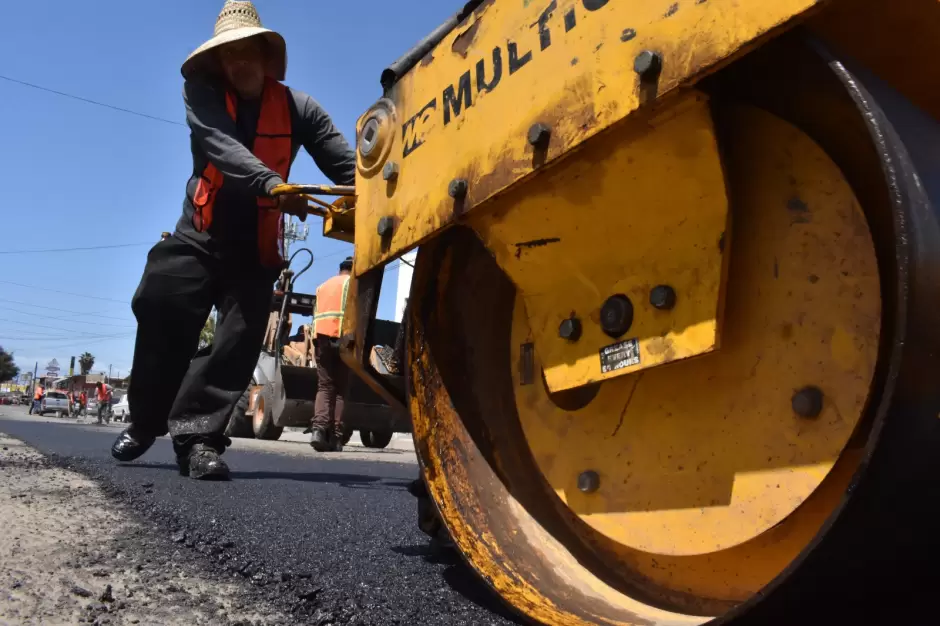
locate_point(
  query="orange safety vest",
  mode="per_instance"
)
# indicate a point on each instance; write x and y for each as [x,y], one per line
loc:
[273,148]
[103,393]
[330,306]
[38,393]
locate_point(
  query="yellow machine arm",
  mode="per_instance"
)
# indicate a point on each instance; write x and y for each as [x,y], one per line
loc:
[338,216]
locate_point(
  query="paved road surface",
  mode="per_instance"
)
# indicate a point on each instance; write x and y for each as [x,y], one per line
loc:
[329,538]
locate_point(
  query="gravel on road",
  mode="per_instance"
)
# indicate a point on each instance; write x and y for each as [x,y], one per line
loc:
[319,538]
[67,556]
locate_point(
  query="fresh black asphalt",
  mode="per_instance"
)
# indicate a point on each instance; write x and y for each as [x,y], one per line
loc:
[326,541]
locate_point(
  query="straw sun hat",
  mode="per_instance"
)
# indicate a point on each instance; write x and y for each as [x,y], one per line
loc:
[239,19]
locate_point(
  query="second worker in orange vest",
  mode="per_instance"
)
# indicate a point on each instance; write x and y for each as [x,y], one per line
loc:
[246,128]
[332,373]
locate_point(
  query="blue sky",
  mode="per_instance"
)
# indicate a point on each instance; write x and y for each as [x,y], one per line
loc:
[80,175]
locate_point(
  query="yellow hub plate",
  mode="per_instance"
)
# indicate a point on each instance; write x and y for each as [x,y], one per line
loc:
[706,454]
[643,207]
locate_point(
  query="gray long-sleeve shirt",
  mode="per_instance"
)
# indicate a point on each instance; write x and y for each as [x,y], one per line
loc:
[216,137]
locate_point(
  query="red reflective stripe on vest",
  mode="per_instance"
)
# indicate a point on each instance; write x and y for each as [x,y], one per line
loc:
[210,182]
[273,148]
[330,306]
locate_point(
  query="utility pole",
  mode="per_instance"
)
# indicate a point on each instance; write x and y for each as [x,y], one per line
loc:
[109,373]
[294,232]
[32,390]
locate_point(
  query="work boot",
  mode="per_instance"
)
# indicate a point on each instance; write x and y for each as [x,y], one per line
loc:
[320,441]
[203,462]
[337,441]
[131,445]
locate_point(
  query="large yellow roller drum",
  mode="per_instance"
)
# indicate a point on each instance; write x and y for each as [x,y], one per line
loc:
[672,354]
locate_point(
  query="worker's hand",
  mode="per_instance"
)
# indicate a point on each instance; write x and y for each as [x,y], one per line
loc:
[293,205]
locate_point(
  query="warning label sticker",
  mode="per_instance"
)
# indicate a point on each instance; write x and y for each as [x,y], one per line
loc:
[620,355]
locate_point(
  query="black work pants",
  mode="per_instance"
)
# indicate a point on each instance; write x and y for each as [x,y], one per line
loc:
[332,380]
[177,387]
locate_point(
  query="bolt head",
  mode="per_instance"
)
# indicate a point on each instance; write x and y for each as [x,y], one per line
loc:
[369,137]
[570,329]
[648,64]
[539,134]
[386,226]
[390,171]
[457,189]
[808,402]
[663,297]
[589,481]
[616,315]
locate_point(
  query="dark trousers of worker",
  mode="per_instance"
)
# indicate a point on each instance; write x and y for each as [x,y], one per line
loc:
[176,386]
[332,379]
[104,410]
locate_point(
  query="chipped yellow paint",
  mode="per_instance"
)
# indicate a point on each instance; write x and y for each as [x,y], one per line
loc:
[556,553]
[705,455]
[608,223]
[440,432]
[519,551]
[449,118]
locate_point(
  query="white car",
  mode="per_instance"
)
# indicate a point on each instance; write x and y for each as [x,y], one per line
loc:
[121,410]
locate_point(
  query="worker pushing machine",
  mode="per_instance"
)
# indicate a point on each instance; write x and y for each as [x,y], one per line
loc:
[332,373]
[227,249]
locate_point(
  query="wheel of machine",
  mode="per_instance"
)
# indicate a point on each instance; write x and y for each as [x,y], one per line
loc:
[716,486]
[375,439]
[263,419]
[239,424]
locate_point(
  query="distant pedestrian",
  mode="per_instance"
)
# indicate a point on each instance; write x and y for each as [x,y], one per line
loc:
[104,402]
[332,373]
[82,410]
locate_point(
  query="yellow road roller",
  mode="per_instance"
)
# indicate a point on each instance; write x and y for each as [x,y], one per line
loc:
[673,352]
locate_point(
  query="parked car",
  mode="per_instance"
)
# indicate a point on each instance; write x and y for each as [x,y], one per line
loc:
[54,402]
[121,410]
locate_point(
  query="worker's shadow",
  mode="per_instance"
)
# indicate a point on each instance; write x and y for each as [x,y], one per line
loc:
[462,579]
[348,481]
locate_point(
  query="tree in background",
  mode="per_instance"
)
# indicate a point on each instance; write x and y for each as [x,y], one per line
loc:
[8,368]
[207,332]
[86,362]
